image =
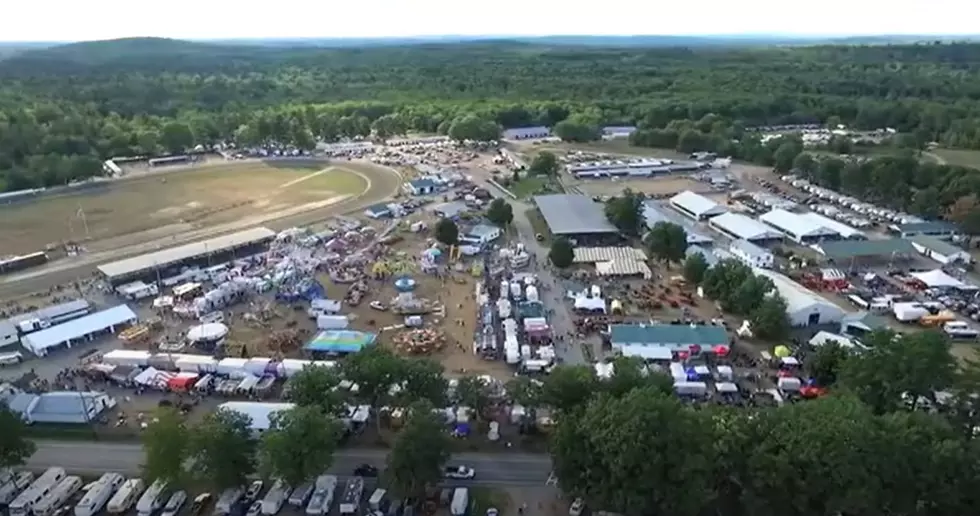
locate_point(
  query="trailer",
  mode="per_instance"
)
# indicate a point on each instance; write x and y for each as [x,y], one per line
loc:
[350,501]
[273,501]
[38,491]
[59,496]
[14,485]
[152,499]
[126,496]
[322,497]
[99,494]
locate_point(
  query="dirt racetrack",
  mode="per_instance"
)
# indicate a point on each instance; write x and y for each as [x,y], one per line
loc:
[377,184]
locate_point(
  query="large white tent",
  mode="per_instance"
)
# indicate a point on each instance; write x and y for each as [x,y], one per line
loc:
[939,279]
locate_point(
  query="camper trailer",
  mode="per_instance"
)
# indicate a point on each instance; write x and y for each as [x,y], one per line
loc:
[24,504]
[229,497]
[152,499]
[350,502]
[322,496]
[275,498]
[59,496]
[126,496]
[301,494]
[14,485]
[99,494]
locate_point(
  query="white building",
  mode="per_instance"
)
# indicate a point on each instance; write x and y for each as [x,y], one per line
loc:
[803,306]
[738,226]
[696,206]
[751,254]
[796,227]
[481,234]
[940,250]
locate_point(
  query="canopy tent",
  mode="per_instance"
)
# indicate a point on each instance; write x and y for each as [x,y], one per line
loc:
[624,268]
[592,304]
[182,382]
[781,351]
[939,279]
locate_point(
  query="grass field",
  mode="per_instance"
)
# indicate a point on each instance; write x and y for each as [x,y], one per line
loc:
[160,205]
[965,158]
[607,146]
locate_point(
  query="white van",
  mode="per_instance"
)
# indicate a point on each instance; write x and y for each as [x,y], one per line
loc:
[38,491]
[275,498]
[126,496]
[59,496]
[152,499]
[99,494]
[13,486]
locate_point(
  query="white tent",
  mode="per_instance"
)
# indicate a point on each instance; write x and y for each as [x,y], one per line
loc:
[938,279]
[594,304]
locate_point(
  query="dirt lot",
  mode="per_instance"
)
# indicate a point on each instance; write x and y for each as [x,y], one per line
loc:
[160,205]
[661,185]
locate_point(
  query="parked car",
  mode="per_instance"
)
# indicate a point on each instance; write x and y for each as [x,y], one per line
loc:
[253,492]
[459,473]
[255,509]
[200,503]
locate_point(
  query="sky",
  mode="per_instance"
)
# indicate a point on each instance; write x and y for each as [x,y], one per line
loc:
[73,20]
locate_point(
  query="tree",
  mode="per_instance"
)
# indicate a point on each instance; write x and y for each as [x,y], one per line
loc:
[642,453]
[570,130]
[544,164]
[422,379]
[562,254]
[375,370]
[165,447]
[695,267]
[317,387]
[474,392]
[899,371]
[824,364]
[629,373]
[15,447]
[223,449]
[667,241]
[500,212]
[419,453]
[770,320]
[569,387]
[299,444]
[625,212]
[524,391]
[966,212]
[474,128]
[446,232]
[176,137]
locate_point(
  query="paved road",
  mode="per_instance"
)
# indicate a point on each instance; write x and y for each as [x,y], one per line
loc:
[65,272]
[505,469]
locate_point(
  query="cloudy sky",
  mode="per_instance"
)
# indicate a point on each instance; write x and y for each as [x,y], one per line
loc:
[74,20]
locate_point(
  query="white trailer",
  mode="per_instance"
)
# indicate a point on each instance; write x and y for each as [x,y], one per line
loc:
[24,503]
[322,497]
[59,496]
[99,494]
[273,501]
[152,499]
[126,496]
[350,501]
[461,501]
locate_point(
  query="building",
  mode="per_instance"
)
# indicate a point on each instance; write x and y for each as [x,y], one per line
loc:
[652,214]
[450,210]
[615,261]
[81,329]
[935,228]
[940,250]
[481,234]
[696,206]
[378,211]
[803,306]
[259,413]
[854,251]
[857,325]
[751,254]
[846,232]
[166,262]
[711,256]
[574,215]
[59,407]
[800,229]
[611,132]
[661,341]
[742,227]
[421,186]
[526,133]
[11,329]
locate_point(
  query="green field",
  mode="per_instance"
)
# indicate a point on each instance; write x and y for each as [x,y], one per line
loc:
[964,158]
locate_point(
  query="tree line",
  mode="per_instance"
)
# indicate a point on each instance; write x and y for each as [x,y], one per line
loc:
[63,109]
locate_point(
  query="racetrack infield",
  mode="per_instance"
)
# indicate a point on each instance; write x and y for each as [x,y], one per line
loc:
[380,183]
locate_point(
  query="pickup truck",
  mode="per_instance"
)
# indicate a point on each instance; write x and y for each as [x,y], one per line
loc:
[459,473]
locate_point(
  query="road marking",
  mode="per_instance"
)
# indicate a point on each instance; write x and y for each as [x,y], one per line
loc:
[304,178]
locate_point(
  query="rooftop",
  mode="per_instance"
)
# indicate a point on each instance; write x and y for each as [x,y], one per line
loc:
[749,248]
[744,227]
[696,204]
[568,214]
[422,183]
[608,254]
[653,214]
[798,297]
[524,132]
[258,412]
[667,334]
[794,224]
[865,248]
[175,255]
[936,245]
[47,313]
[839,227]
[928,226]
[482,230]
[71,330]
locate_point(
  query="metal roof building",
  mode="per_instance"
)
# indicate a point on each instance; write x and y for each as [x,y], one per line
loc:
[526,133]
[54,314]
[653,214]
[804,307]
[608,254]
[137,265]
[738,226]
[891,248]
[936,228]
[696,206]
[652,340]
[568,214]
[940,250]
[797,227]
[845,231]
[41,342]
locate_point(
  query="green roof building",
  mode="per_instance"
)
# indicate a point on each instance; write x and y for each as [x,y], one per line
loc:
[660,341]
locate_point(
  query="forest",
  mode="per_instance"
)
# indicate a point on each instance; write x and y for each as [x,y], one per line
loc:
[64,109]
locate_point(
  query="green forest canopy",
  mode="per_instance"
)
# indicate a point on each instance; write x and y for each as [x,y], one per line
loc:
[64,109]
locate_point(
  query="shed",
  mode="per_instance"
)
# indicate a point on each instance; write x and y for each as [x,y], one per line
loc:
[481,234]
[106,321]
[751,254]
[450,210]
[696,206]
[940,250]
[738,226]
[633,339]
[421,186]
[378,211]
[803,306]
[526,133]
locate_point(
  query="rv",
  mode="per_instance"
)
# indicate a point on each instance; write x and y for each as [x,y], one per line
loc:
[39,490]
[275,498]
[229,497]
[14,485]
[461,501]
[173,505]
[126,496]
[378,500]
[152,499]
[59,496]
[99,494]
[350,502]
[300,495]
[322,496]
